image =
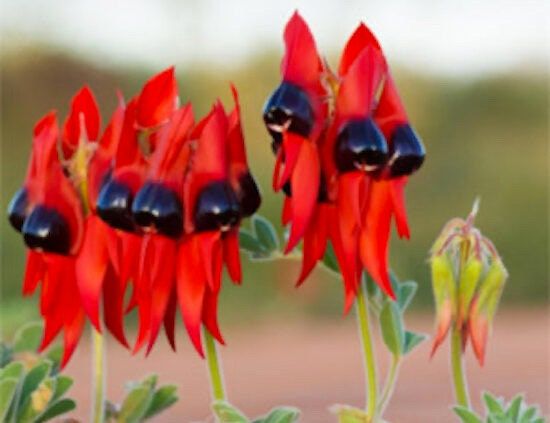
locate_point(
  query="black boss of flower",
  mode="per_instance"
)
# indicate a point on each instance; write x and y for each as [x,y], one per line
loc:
[407,152]
[217,207]
[157,207]
[46,229]
[18,209]
[360,146]
[288,108]
[249,195]
[114,206]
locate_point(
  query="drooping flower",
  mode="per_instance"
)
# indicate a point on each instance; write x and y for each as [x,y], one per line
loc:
[468,277]
[343,153]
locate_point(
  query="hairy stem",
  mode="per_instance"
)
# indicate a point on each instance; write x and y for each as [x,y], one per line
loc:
[214,367]
[368,353]
[457,365]
[389,384]
[98,393]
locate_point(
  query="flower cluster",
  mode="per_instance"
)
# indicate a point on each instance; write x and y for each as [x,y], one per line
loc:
[468,277]
[154,200]
[344,150]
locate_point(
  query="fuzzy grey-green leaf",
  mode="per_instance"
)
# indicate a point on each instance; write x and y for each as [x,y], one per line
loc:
[135,405]
[56,409]
[249,243]
[28,337]
[8,387]
[265,233]
[226,413]
[405,294]
[282,415]
[466,416]
[31,382]
[494,406]
[514,408]
[163,398]
[412,339]
[391,325]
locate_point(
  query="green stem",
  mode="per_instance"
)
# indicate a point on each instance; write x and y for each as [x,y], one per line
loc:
[366,341]
[389,385]
[98,400]
[457,364]
[214,367]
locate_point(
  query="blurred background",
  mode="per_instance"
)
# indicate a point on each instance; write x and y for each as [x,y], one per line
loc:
[474,79]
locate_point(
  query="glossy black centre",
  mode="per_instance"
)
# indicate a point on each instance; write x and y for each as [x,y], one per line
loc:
[288,108]
[114,205]
[18,209]
[249,198]
[360,146]
[217,207]
[158,207]
[47,230]
[407,151]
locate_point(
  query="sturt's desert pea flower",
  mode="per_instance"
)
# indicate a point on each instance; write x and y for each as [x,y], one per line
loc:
[344,150]
[468,277]
[154,200]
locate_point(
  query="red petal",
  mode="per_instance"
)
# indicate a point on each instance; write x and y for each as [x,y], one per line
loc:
[91,264]
[113,305]
[170,318]
[305,190]
[478,328]
[211,254]
[287,211]
[210,315]
[191,285]
[158,99]
[444,320]
[399,209]
[231,255]
[315,242]
[34,272]
[390,111]
[301,64]
[72,332]
[83,110]
[375,235]
[287,158]
[361,38]
[357,91]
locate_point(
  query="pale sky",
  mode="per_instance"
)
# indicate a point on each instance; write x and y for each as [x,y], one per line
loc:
[453,37]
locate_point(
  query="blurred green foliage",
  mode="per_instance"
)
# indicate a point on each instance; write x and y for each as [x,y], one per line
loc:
[485,137]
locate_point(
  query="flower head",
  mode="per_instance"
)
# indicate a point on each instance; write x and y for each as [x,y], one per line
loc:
[344,150]
[468,277]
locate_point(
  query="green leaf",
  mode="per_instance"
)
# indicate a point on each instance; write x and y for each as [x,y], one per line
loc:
[8,387]
[31,382]
[226,413]
[54,354]
[56,409]
[265,233]
[13,370]
[150,381]
[347,414]
[391,325]
[493,405]
[412,339]
[163,398]
[135,405]
[249,243]
[466,416]
[405,294]
[528,415]
[281,415]
[28,338]
[62,385]
[514,408]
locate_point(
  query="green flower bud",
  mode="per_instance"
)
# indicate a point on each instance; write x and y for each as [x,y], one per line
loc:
[469,278]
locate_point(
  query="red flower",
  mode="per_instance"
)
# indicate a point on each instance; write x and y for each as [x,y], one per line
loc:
[342,154]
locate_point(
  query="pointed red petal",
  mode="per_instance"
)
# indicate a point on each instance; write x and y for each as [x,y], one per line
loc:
[170,318]
[191,286]
[91,264]
[361,38]
[305,190]
[34,272]
[286,217]
[399,209]
[72,332]
[390,111]
[210,315]
[211,254]
[113,306]
[158,99]
[478,328]
[287,159]
[444,320]
[315,242]
[301,64]
[83,110]
[231,255]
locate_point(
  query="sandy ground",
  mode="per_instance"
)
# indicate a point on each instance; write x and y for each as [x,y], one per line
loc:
[312,365]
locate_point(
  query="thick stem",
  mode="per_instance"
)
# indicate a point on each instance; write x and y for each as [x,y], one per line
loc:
[98,376]
[214,367]
[457,365]
[389,384]
[369,361]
